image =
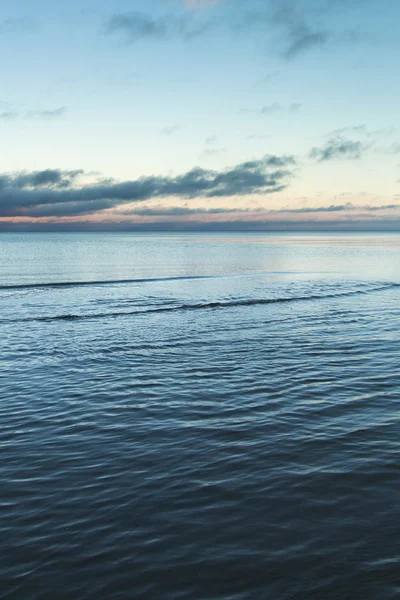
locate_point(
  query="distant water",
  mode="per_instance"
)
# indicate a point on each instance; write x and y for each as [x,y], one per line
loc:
[199,417]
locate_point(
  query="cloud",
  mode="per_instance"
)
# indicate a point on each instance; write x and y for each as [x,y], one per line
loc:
[208,152]
[8,115]
[312,24]
[338,148]
[135,26]
[290,28]
[211,225]
[333,208]
[365,139]
[363,132]
[273,108]
[51,178]
[55,193]
[183,211]
[200,3]
[302,39]
[178,218]
[46,114]
[170,130]
[210,140]
[178,211]
[34,114]
[210,148]
[392,149]
[256,136]
[16,25]
[270,109]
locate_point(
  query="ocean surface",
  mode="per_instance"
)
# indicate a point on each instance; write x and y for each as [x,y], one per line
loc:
[199,416]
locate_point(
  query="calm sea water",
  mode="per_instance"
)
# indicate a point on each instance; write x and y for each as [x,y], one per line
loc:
[199,417]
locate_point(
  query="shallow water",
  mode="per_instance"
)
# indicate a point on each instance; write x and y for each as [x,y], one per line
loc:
[206,417]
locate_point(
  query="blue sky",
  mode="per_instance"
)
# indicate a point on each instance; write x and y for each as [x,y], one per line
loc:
[151,112]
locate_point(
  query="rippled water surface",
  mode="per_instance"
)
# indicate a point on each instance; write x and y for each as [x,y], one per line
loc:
[199,417]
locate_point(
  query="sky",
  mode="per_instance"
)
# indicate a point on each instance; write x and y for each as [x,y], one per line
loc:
[200,114]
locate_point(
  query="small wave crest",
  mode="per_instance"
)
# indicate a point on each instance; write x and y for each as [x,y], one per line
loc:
[218,304]
[105,282]
[72,284]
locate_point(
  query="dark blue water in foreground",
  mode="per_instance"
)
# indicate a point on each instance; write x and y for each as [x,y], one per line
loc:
[215,417]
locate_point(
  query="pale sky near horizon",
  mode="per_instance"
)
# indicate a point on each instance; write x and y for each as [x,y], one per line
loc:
[189,112]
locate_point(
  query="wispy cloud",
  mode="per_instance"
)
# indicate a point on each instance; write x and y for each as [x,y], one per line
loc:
[210,148]
[256,136]
[46,114]
[16,25]
[337,148]
[209,152]
[34,114]
[303,39]
[271,109]
[8,115]
[135,26]
[201,3]
[170,130]
[290,28]
[334,208]
[362,131]
[352,141]
[210,140]
[391,149]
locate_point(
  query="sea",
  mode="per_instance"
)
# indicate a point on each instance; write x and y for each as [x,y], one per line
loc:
[199,416]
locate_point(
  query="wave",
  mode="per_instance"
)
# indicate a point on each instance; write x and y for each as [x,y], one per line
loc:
[206,306]
[72,284]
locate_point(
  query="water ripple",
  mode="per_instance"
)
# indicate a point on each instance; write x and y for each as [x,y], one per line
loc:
[240,440]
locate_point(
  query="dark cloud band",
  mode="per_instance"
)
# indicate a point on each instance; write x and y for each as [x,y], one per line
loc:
[56,193]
